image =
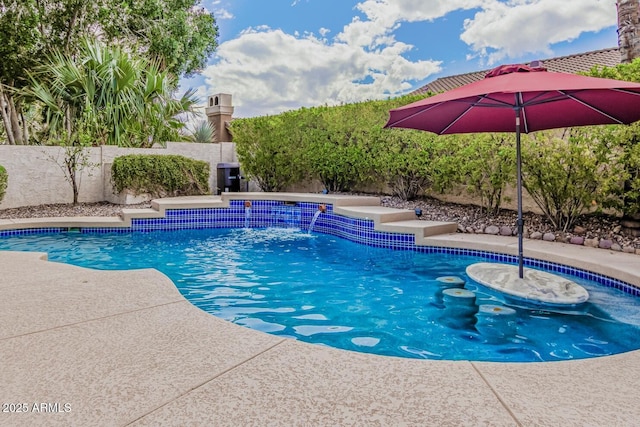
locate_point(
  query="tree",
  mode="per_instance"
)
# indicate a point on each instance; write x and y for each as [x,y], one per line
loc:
[19,50]
[104,95]
[179,34]
[115,97]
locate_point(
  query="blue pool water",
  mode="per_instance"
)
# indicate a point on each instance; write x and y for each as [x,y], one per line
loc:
[322,289]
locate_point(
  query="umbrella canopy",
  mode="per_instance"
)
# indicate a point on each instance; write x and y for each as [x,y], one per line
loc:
[518,98]
[545,100]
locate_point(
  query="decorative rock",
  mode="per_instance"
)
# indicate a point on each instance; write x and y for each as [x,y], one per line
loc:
[605,244]
[549,237]
[470,230]
[629,223]
[617,229]
[492,229]
[506,231]
[592,243]
[536,235]
[635,232]
[479,231]
[461,228]
[616,247]
[577,240]
[629,249]
[579,230]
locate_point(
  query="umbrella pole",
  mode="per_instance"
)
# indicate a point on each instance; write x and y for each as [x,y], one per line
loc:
[520,222]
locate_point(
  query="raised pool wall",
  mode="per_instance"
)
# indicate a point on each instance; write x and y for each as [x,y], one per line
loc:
[290,210]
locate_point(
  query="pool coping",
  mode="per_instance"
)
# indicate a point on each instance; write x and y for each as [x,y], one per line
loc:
[135,352]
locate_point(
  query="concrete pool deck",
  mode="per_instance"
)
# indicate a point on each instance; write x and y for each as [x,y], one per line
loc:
[86,347]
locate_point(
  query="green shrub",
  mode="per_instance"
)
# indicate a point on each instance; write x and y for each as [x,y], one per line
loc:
[566,175]
[160,175]
[270,151]
[4,178]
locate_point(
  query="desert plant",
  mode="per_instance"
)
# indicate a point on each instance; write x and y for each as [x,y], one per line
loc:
[203,133]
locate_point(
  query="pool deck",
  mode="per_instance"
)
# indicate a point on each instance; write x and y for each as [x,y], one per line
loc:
[83,347]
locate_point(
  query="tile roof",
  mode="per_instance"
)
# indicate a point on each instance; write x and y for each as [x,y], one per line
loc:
[567,64]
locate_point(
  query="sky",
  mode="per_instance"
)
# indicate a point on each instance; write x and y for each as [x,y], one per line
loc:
[279,55]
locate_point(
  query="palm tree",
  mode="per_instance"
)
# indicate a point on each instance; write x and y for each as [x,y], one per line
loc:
[105,95]
[113,96]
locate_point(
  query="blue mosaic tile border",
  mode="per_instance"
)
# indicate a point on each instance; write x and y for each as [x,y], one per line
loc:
[28,231]
[263,214]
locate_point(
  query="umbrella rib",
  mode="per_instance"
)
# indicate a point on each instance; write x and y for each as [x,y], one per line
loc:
[597,110]
[443,131]
[395,124]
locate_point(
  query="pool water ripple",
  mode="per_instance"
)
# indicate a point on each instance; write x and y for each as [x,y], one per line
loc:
[326,290]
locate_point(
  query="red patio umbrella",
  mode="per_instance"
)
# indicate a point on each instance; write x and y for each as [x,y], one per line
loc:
[522,99]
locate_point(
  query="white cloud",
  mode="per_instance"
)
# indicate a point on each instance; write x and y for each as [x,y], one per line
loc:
[219,11]
[513,28]
[221,14]
[269,71]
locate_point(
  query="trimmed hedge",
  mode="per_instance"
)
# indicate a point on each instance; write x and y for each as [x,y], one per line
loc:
[160,175]
[4,178]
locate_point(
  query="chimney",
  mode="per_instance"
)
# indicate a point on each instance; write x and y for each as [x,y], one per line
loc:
[219,112]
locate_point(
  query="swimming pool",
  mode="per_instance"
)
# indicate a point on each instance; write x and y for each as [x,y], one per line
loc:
[327,290]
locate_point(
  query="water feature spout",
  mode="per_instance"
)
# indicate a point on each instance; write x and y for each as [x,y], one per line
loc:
[321,209]
[247,214]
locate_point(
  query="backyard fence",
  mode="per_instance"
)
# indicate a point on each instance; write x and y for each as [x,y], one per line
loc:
[36,173]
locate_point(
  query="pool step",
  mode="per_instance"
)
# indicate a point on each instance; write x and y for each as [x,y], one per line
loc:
[421,229]
[379,214]
[394,220]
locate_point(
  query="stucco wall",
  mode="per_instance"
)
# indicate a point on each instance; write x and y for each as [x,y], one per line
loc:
[35,175]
